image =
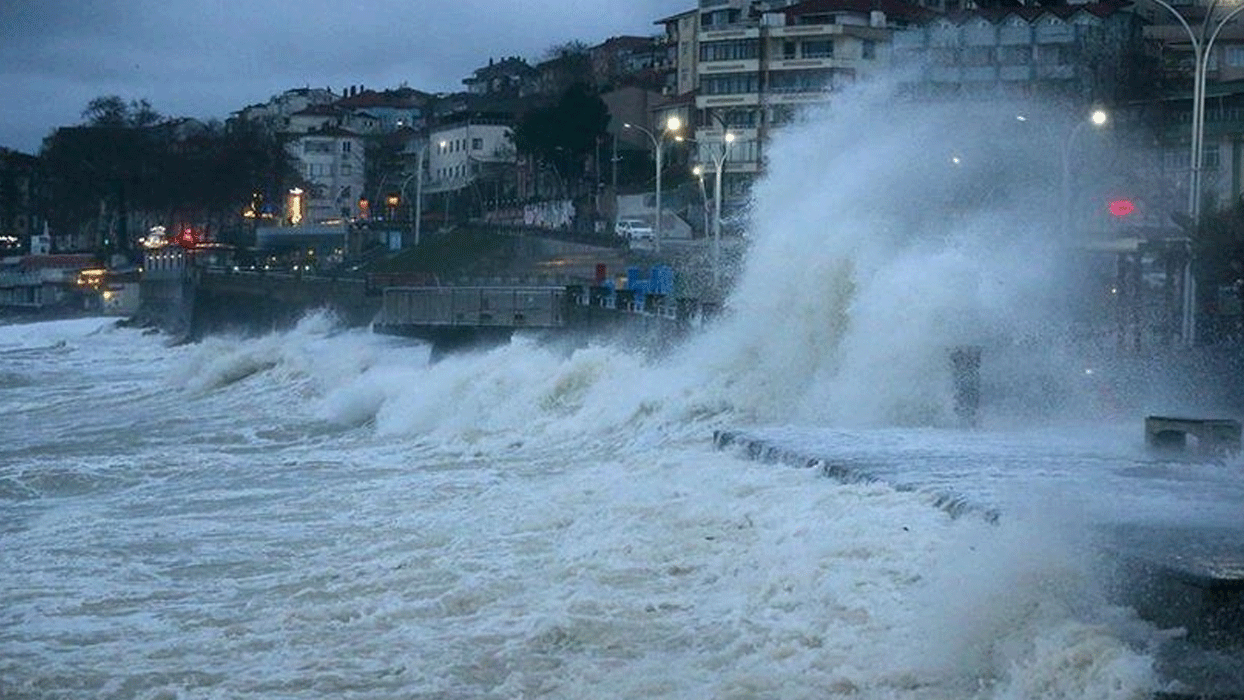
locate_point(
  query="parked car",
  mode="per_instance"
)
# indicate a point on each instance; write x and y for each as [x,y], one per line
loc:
[634,230]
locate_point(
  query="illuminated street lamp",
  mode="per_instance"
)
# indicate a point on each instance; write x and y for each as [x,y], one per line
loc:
[699,174]
[672,125]
[1098,118]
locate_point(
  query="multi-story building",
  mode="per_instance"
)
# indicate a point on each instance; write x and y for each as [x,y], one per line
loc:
[274,113]
[757,62]
[19,201]
[680,60]
[1169,111]
[371,112]
[473,157]
[1080,54]
[627,60]
[332,161]
[503,78]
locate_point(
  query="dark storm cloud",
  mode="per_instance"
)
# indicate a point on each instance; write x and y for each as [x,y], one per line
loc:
[206,59]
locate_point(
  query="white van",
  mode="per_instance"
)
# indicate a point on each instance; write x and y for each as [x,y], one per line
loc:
[634,230]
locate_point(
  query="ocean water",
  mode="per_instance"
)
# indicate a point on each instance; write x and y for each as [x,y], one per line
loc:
[316,514]
[320,512]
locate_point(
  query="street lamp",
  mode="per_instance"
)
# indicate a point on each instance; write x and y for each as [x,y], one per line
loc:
[719,160]
[699,174]
[672,125]
[1097,118]
[417,224]
[1201,45]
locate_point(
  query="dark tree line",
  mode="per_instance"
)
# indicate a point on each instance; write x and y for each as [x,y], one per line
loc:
[564,134]
[127,167]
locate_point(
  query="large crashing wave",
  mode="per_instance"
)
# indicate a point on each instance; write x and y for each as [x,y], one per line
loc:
[883,236]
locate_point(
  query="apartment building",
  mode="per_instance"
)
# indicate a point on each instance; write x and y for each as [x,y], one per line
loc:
[752,64]
[1085,54]
[473,157]
[332,162]
[19,201]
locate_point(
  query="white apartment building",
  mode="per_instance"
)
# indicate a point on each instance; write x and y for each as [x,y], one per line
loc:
[757,62]
[462,153]
[333,163]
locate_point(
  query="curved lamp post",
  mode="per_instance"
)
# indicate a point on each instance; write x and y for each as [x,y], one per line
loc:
[719,160]
[1201,44]
[417,224]
[671,126]
[1097,118]
[699,174]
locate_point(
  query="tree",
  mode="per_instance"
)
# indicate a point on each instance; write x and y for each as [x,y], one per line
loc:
[129,168]
[564,134]
[112,111]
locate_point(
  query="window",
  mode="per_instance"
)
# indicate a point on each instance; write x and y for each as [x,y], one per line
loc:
[1235,56]
[1209,157]
[978,55]
[477,144]
[317,146]
[730,50]
[816,19]
[730,84]
[1016,55]
[800,81]
[736,118]
[345,146]
[789,50]
[1049,53]
[869,50]
[820,48]
[347,169]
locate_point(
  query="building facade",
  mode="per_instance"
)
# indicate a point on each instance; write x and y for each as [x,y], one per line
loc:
[473,155]
[19,201]
[757,63]
[333,164]
[1077,55]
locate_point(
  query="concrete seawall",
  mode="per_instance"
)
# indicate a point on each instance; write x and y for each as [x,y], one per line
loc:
[1184,571]
[195,302]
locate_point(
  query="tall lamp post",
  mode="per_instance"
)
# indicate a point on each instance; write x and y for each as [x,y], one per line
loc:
[1201,44]
[699,174]
[719,160]
[671,126]
[1097,118]
[417,224]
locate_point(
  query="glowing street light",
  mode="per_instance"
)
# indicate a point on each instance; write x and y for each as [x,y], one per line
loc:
[671,126]
[699,174]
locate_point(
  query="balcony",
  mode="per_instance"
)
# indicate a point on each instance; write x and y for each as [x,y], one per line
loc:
[805,63]
[747,65]
[1015,73]
[732,31]
[796,96]
[1055,34]
[1055,72]
[805,30]
[978,74]
[1012,36]
[736,100]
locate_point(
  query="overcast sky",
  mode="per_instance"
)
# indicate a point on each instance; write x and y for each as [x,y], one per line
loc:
[207,58]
